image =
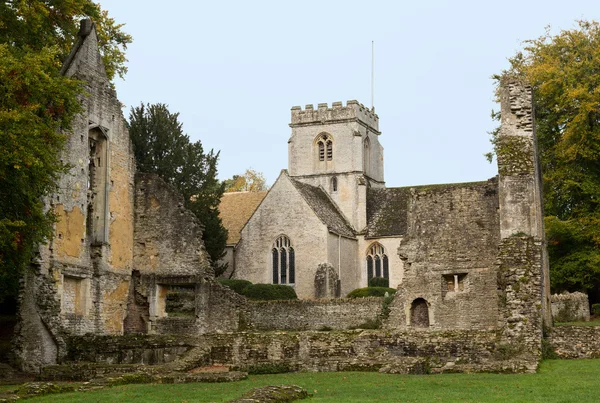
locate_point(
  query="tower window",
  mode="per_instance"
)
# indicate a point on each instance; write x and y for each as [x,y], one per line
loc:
[283,261]
[377,262]
[334,185]
[324,149]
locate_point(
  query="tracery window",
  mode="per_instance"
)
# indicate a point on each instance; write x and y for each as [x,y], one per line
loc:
[283,261]
[325,146]
[377,262]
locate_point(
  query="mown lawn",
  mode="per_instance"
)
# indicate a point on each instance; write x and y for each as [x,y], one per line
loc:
[557,381]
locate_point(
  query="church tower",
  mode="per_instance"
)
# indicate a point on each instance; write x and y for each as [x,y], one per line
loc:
[338,149]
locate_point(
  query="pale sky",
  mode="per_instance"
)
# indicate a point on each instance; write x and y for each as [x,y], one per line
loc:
[234,69]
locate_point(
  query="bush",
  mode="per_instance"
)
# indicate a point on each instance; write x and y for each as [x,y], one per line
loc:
[269,292]
[236,285]
[371,292]
[379,282]
[596,309]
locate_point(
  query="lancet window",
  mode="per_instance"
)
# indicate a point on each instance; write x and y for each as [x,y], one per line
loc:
[377,262]
[283,261]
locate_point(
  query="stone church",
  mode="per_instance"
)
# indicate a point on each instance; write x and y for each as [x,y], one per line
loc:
[437,244]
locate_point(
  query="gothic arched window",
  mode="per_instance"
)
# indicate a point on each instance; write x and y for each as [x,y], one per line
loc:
[283,261]
[377,262]
[324,144]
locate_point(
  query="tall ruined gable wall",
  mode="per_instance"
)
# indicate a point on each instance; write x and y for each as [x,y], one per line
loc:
[168,237]
[451,230]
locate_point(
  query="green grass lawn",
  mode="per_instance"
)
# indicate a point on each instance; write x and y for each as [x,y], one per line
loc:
[557,381]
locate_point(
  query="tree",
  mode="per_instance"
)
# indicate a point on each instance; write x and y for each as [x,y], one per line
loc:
[564,71]
[161,147]
[38,24]
[37,106]
[249,181]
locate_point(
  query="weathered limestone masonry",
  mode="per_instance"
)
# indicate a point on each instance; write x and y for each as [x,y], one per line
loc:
[570,307]
[92,279]
[336,314]
[449,248]
[81,278]
[575,341]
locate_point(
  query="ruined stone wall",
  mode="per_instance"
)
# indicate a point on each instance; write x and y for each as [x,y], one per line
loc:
[416,352]
[461,242]
[282,212]
[168,237]
[335,314]
[575,341]
[570,307]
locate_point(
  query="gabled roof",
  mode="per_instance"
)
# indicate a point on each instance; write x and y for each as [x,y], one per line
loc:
[235,210]
[324,208]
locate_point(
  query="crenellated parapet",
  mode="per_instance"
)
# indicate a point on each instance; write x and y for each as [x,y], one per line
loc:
[337,113]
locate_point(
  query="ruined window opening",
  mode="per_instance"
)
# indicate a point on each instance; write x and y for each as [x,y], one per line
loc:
[75,296]
[97,195]
[455,282]
[419,313]
[334,184]
[283,261]
[377,262]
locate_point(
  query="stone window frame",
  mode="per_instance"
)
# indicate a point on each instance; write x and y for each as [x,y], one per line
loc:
[376,260]
[455,283]
[82,298]
[323,150]
[98,184]
[283,261]
[334,184]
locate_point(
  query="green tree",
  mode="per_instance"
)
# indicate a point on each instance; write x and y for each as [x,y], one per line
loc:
[38,24]
[161,147]
[564,71]
[249,181]
[37,106]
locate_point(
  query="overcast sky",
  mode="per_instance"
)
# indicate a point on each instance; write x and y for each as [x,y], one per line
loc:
[234,69]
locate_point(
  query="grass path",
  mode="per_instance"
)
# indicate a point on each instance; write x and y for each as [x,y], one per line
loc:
[557,381]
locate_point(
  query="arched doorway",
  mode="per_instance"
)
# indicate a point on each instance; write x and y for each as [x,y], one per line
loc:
[419,313]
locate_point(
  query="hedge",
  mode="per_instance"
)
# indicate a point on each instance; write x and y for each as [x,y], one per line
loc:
[236,285]
[379,282]
[371,292]
[269,292]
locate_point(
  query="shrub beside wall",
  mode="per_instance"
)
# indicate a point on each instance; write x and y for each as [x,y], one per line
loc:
[371,292]
[379,282]
[269,292]
[236,285]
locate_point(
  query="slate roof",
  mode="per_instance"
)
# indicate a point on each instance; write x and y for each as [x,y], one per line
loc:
[235,209]
[387,208]
[324,208]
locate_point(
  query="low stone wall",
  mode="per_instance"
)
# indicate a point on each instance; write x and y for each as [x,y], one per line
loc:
[575,341]
[128,349]
[332,314]
[356,350]
[179,325]
[570,307]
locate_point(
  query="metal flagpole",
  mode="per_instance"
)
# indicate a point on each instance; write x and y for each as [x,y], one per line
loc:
[372,75]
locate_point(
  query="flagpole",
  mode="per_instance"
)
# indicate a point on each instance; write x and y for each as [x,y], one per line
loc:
[373,75]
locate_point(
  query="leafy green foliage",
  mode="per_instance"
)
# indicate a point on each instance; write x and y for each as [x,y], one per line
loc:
[38,24]
[371,292]
[596,309]
[379,282]
[236,285]
[161,147]
[250,181]
[269,292]
[36,103]
[564,72]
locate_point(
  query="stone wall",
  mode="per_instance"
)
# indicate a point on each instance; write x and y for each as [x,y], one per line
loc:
[575,341]
[570,307]
[168,237]
[437,247]
[415,352]
[335,314]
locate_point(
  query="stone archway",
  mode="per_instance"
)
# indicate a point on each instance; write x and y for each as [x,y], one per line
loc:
[419,313]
